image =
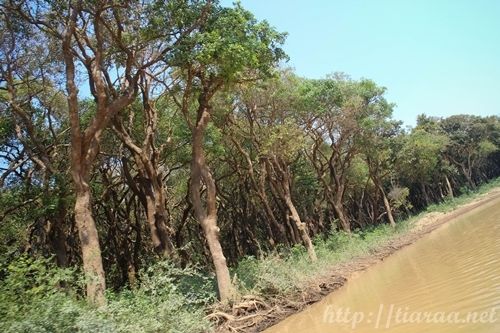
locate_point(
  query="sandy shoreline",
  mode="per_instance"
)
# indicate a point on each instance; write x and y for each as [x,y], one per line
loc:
[256,314]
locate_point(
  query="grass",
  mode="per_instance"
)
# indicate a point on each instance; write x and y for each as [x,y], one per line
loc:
[279,275]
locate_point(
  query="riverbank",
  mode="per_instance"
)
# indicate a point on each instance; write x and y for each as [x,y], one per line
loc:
[293,283]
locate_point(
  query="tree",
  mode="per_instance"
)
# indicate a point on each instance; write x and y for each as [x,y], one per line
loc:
[149,186]
[265,117]
[419,159]
[232,47]
[36,107]
[334,110]
[377,143]
[470,143]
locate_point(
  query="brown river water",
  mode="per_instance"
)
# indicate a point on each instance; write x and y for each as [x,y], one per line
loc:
[446,282]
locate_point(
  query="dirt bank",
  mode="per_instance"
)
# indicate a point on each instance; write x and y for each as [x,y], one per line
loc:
[254,313]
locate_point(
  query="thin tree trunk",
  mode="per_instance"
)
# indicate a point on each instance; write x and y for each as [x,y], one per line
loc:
[281,184]
[57,238]
[440,188]
[339,210]
[468,175]
[424,193]
[448,186]
[292,228]
[261,193]
[151,198]
[335,200]
[387,208]
[207,214]
[301,226]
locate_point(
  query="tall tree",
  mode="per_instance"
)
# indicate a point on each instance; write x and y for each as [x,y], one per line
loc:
[419,159]
[149,186]
[264,123]
[232,47]
[335,108]
[470,143]
[376,141]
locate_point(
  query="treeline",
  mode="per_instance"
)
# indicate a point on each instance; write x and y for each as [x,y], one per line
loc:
[137,131]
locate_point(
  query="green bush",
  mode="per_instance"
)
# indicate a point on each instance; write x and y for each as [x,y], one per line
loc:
[33,299]
[270,275]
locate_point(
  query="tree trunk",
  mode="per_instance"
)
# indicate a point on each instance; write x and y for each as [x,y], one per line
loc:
[156,217]
[301,226]
[91,250]
[259,186]
[211,231]
[159,234]
[339,210]
[272,220]
[441,194]
[448,186]
[57,238]
[425,194]
[84,149]
[293,233]
[468,175]
[207,214]
[335,201]
[150,192]
[281,185]
[387,208]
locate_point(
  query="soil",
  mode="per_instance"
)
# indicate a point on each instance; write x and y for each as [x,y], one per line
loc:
[256,313]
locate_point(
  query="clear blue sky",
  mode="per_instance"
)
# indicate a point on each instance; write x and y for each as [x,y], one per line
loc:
[439,57]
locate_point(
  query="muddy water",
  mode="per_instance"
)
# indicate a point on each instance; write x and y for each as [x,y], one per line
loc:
[448,281]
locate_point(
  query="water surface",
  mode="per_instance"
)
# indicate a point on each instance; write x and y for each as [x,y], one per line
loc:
[446,282]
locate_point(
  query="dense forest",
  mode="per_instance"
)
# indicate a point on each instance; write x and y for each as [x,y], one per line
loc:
[163,137]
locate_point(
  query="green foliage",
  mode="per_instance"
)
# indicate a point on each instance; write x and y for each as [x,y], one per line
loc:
[264,276]
[164,277]
[285,139]
[399,198]
[419,156]
[232,45]
[31,298]
[358,172]
[37,297]
[470,137]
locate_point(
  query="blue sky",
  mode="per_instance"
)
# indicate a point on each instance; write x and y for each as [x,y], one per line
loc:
[439,57]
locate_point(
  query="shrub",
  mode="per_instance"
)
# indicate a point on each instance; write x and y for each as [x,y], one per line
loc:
[32,300]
